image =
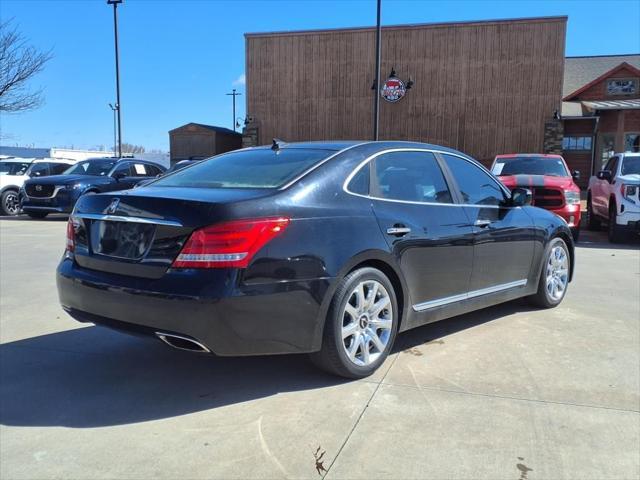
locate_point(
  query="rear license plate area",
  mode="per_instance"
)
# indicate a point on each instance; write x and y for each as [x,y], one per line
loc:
[128,240]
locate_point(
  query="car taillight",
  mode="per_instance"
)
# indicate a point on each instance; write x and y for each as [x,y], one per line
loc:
[228,244]
[72,224]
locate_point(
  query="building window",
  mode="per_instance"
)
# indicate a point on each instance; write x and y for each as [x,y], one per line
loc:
[632,142]
[607,148]
[622,86]
[576,143]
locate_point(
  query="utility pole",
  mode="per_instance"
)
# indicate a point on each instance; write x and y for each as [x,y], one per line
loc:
[115,142]
[234,95]
[376,104]
[115,31]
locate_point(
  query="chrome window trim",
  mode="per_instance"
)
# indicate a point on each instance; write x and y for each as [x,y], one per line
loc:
[420,307]
[317,165]
[425,150]
[120,218]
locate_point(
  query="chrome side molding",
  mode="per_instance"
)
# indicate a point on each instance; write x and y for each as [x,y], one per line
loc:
[466,296]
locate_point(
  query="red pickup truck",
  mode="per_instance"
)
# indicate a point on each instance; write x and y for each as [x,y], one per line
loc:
[548,177]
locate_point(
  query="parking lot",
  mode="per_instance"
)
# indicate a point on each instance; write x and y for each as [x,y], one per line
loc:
[510,392]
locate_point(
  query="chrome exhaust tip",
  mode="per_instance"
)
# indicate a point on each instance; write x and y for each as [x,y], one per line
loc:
[182,343]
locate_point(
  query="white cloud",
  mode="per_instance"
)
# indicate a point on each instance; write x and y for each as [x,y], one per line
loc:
[241,80]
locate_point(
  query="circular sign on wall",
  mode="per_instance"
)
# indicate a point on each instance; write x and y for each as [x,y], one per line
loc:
[393,89]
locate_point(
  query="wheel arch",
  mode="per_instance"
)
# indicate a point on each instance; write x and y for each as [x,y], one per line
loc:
[380,260]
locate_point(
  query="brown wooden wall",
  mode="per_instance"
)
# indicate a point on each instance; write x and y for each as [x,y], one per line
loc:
[484,88]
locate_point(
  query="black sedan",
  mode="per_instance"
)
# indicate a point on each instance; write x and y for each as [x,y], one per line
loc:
[324,248]
[59,193]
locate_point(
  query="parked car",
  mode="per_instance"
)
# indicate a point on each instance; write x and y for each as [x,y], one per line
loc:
[173,168]
[15,171]
[614,196]
[548,177]
[328,248]
[59,193]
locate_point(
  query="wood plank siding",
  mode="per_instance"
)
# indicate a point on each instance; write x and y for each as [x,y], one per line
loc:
[482,87]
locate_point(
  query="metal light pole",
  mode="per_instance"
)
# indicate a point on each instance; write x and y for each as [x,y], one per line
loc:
[115,30]
[234,95]
[115,109]
[376,104]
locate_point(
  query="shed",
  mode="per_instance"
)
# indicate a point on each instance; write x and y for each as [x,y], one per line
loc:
[195,140]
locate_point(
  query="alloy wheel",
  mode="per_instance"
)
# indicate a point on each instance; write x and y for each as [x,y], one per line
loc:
[11,203]
[367,322]
[557,272]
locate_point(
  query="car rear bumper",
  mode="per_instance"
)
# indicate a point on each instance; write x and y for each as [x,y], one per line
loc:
[202,305]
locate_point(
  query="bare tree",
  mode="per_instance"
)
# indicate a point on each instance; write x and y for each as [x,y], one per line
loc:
[19,62]
[130,148]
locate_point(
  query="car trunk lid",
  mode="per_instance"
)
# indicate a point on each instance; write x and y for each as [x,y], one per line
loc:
[140,232]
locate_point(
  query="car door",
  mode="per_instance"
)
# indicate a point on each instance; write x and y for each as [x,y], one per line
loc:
[121,177]
[504,236]
[428,233]
[140,172]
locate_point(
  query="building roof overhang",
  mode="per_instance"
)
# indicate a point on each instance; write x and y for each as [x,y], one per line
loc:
[612,104]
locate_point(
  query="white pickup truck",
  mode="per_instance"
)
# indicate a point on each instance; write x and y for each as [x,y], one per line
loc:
[614,196]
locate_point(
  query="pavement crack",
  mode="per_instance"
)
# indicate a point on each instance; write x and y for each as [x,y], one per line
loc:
[360,416]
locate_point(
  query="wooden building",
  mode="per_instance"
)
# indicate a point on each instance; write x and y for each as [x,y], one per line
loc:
[600,111]
[195,141]
[482,87]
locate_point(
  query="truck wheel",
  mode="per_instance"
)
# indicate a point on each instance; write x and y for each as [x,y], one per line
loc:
[554,276]
[10,203]
[616,232]
[593,222]
[361,325]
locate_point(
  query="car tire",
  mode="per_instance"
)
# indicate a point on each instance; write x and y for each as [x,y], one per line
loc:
[355,317]
[593,222]
[554,275]
[9,203]
[616,233]
[38,215]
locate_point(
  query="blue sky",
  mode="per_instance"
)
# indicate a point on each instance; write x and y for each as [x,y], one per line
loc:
[180,57]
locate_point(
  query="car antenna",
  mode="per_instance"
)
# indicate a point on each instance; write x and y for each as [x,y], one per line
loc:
[277,143]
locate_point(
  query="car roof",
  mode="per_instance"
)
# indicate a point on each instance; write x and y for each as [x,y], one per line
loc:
[17,160]
[55,160]
[339,145]
[524,155]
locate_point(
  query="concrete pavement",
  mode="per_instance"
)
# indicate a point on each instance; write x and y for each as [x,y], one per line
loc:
[510,392]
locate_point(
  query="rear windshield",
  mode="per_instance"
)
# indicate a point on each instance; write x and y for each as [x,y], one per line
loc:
[631,165]
[261,168]
[530,166]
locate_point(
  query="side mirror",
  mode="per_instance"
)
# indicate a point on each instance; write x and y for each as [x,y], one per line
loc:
[119,175]
[576,174]
[604,175]
[521,197]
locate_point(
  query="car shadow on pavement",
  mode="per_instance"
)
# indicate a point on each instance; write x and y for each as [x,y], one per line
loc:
[92,377]
[599,239]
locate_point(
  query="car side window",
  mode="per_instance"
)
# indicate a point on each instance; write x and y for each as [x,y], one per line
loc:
[58,168]
[360,181]
[139,170]
[39,170]
[153,171]
[476,186]
[611,164]
[122,168]
[410,176]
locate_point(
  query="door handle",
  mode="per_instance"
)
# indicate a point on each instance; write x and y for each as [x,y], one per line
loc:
[399,231]
[482,223]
